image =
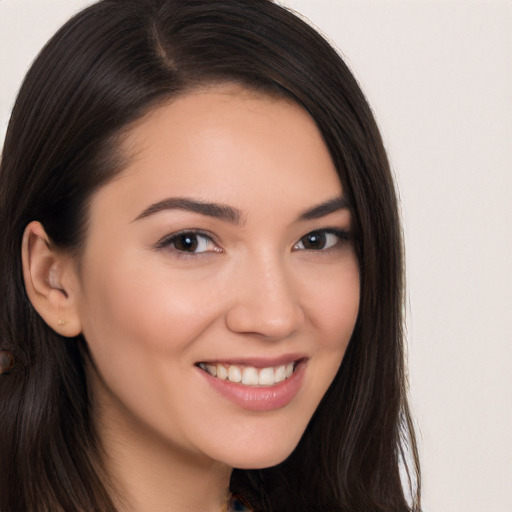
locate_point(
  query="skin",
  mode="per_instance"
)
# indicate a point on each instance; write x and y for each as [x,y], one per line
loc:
[150,312]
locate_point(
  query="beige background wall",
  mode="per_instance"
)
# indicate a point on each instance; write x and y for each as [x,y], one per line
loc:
[439,76]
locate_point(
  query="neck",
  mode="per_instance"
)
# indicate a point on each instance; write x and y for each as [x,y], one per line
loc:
[150,474]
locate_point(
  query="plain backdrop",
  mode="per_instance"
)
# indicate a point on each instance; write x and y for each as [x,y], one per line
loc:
[439,77]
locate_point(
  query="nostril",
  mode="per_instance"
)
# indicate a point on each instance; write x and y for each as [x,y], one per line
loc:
[266,320]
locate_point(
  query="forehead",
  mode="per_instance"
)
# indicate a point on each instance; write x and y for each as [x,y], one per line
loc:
[228,145]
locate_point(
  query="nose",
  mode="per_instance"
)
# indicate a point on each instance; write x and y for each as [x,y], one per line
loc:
[265,301]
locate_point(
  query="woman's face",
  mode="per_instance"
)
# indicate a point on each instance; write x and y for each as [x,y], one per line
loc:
[222,252]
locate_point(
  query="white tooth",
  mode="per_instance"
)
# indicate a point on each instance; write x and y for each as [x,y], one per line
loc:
[222,373]
[266,377]
[234,374]
[289,369]
[280,374]
[250,376]
[211,369]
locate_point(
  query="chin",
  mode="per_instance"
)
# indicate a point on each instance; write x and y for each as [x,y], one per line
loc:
[260,455]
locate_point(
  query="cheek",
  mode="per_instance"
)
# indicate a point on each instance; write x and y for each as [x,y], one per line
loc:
[147,315]
[148,301]
[139,333]
[333,305]
[332,308]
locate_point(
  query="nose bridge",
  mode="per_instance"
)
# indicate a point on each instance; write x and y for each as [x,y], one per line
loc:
[266,300]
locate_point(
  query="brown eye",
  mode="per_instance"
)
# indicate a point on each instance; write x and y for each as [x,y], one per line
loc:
[314,241]
[188,242]
[320,240]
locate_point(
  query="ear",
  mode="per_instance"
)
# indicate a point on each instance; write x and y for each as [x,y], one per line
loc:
[50,281]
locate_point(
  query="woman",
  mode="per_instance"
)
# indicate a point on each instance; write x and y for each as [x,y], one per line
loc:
[206,313]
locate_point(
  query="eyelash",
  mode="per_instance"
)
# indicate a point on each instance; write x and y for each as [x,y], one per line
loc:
[341,235]
[171,240]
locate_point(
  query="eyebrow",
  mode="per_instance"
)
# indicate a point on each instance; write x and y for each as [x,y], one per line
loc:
[218,211]
[233,215]
[323,209]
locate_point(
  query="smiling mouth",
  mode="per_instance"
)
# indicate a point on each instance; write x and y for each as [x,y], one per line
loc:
[250,375]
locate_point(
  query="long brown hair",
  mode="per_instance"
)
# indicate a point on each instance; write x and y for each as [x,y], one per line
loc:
[107,67]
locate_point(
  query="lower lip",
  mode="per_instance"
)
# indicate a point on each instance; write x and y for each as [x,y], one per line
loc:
[256,398]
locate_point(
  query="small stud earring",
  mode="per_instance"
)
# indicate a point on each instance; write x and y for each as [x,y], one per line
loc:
[6,361]
[60,322]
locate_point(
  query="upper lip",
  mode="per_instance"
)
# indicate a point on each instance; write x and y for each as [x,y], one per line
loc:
[257,362]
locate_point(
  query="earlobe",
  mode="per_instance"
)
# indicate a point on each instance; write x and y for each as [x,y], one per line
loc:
[50,281]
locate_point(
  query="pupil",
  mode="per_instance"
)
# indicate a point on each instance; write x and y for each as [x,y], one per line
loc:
[187,243]
[315,241]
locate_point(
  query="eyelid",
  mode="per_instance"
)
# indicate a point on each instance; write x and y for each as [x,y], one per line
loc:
[166,241]
[344,236]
